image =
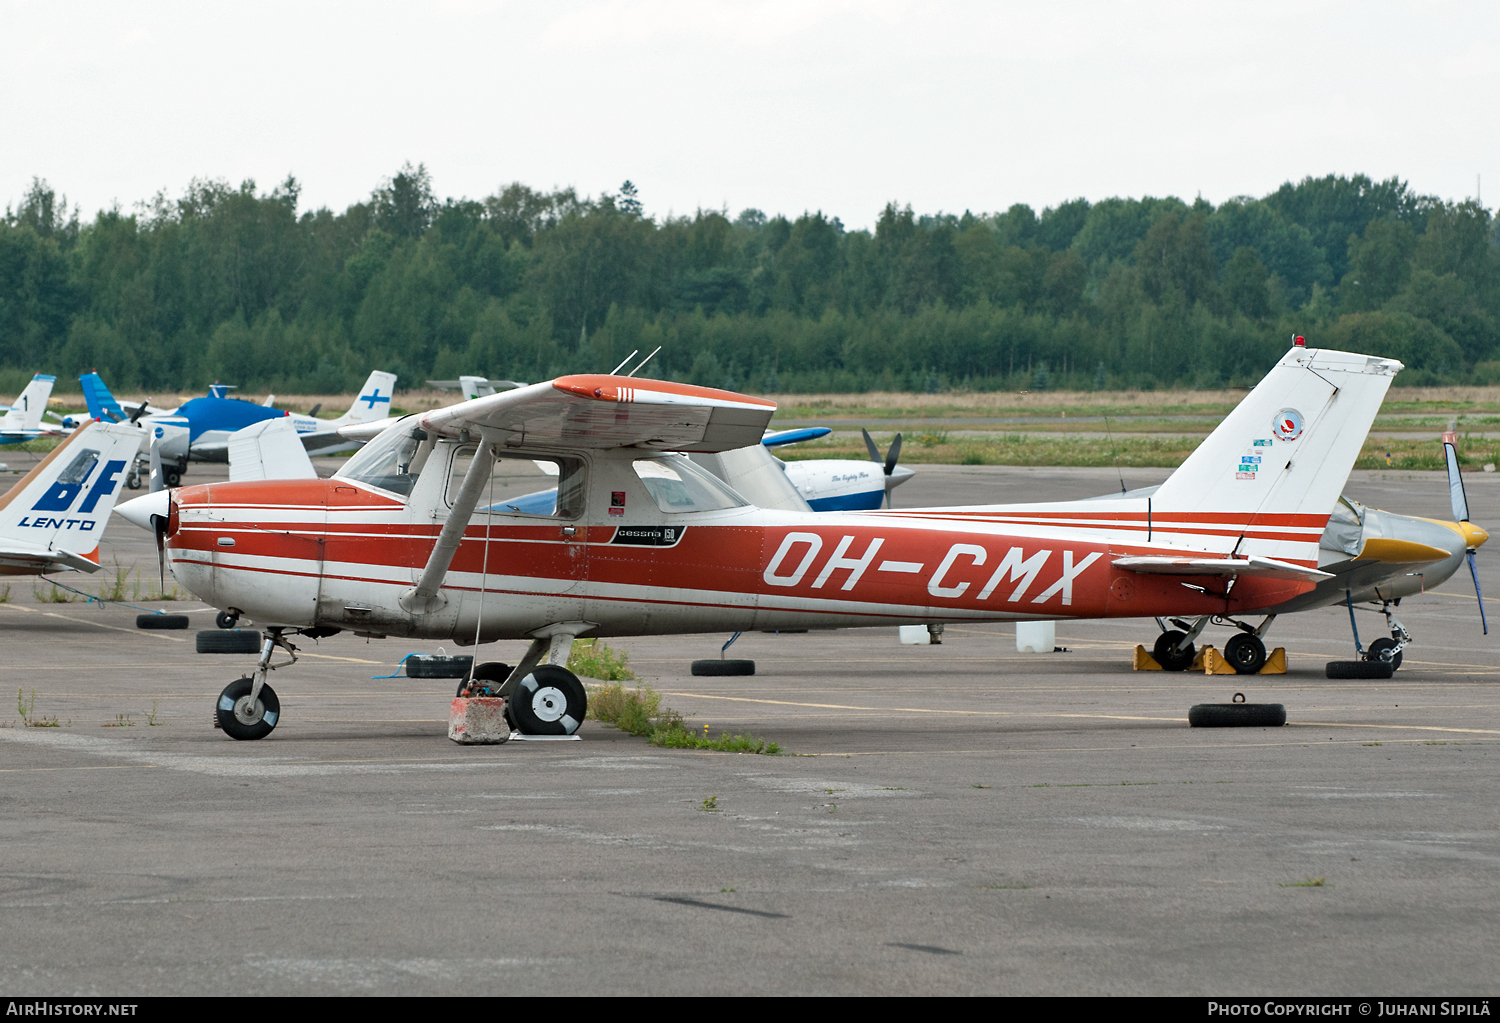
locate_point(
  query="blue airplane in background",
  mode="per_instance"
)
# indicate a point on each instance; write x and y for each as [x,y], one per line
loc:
[199,430]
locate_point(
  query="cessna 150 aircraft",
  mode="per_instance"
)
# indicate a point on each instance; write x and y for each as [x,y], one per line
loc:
[641,541]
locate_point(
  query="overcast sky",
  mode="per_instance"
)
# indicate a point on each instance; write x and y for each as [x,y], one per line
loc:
[784,106]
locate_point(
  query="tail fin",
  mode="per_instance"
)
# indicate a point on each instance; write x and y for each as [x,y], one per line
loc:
[26,413]
[269,450]
[374,401]
[475,387]
[1265,481]
[59,509]
[102,404]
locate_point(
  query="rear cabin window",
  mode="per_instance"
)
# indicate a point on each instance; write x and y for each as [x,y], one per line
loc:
[678,485]
[523,486]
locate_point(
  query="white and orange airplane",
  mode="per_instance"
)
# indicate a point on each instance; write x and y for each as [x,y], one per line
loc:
[426,532]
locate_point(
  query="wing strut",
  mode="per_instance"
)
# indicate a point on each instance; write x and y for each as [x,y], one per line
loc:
[425,598]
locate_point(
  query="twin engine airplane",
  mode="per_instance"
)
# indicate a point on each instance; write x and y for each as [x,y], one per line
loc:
[413,537]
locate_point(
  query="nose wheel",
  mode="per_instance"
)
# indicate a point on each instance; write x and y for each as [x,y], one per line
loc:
[245,716]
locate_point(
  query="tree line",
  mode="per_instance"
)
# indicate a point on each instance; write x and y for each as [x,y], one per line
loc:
[240,285]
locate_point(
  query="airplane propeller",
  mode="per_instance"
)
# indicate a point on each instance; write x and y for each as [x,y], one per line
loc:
[140,410]
[888,464]
[1459,501]
[158,522]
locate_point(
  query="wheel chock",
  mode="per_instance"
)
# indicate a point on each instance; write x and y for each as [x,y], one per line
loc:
[1144,661]
[478,721]
[1214,663]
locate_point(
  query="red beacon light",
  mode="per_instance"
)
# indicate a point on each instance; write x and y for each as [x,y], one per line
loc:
[1299,341]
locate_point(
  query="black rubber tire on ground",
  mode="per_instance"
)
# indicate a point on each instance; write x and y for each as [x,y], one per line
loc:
[436,666]
[1180,660]
[493,672]
[549,700]
[1245,653]
[162,621]
[225,620]
[1375,650]
[714,666]
[1237,715]
[236,641]
[249,723]
[1359,669]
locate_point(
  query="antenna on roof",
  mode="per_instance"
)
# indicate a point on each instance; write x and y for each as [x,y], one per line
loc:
[643,362]
[622,362]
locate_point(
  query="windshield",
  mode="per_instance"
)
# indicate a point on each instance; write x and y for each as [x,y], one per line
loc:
[392,461]
[678,485]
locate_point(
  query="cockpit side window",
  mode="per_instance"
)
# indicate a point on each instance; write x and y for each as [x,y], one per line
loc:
[524,486]
[392,461]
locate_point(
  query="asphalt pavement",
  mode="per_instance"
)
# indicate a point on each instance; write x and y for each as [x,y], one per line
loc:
[954,819]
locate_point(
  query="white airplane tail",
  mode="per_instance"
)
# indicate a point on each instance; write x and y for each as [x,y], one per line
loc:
[56,514]
[269,450]
[1263,483]
[374,401]
[26,413]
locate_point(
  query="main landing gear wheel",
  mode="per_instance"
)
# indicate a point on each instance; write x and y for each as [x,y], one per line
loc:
[1384,649]
[225,620]
[1170,659]
[548,701]
[241,719]
[1245,653]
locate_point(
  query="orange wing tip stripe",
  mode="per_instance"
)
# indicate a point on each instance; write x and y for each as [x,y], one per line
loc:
[603,387]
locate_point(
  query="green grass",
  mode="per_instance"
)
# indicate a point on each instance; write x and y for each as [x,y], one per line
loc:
[639,712]
[55,595]
[594,659]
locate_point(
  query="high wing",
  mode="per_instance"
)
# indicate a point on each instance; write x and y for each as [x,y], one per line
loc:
[602,411]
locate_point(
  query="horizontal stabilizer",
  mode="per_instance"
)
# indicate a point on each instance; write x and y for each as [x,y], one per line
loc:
[1266,568]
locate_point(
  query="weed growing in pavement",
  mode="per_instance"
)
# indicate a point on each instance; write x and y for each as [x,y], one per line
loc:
[710,805]
[120,721]
[151,716]
[1306,882]
[593,659]
[5,595]
[981,786]
[115,591]
[171,594]
[26,707]
[640,712]
[56,596]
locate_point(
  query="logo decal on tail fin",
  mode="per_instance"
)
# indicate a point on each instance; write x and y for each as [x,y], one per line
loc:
[1288,424]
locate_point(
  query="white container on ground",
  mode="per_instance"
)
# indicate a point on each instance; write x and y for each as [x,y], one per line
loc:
[915,635]
[1036,637]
